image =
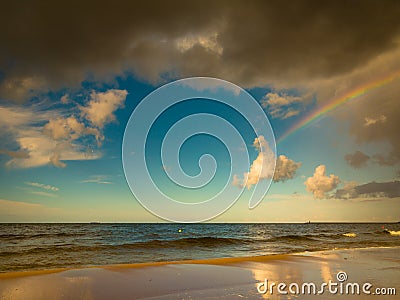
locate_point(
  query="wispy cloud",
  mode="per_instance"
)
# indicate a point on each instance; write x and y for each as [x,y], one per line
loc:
[40,193]
[43,186]
[99,179]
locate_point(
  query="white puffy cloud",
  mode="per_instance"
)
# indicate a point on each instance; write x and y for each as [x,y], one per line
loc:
[100,109]
[261,168]
[281,106]
[43,150]
[276,100]
[51,136]
[285,168]
[61,129]
[31,141]
[70,129]
[320,184]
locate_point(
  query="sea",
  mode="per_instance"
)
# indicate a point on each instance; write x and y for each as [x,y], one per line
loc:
[48,246]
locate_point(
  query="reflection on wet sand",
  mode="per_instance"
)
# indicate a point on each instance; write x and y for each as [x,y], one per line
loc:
[231,278]
[379,266]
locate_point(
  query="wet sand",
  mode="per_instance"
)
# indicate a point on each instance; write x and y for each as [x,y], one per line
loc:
[230,278]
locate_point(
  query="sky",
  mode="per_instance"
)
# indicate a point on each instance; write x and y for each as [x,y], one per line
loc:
[325,74]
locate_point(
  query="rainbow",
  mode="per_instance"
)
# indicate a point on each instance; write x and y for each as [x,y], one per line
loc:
[335,102]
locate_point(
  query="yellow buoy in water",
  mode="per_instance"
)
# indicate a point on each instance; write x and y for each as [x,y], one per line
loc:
[180,230]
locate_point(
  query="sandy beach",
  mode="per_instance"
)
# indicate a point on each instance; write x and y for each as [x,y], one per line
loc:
[227,278]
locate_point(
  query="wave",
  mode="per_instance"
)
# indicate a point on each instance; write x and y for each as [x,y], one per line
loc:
[185,242]
[209,242]
[293,238]
[307,237]
[350,234]
[40,235]
[278,243]
[392,232]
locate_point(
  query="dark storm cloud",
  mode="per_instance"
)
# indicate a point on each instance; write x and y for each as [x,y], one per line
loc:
[357,160]
[390,189]
[47,45]
[381,105]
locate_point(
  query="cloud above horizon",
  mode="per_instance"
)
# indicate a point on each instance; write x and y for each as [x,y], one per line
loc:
[320,185]
[390,189]
[263,166]
[51,136]
[285,168]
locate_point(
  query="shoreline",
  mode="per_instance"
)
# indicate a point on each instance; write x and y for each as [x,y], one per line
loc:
[209,261]
[226,278]
[206,261]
